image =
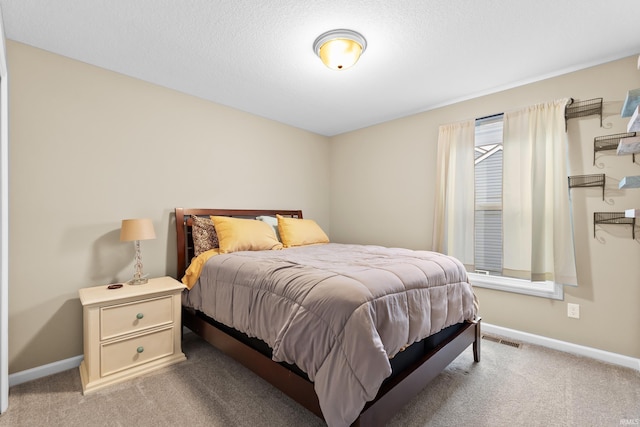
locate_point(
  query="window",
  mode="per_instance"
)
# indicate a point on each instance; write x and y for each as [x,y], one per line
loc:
[488,226]
[488,196]
[513,230]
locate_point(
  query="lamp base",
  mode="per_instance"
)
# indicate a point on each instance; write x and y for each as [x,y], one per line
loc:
[140,281]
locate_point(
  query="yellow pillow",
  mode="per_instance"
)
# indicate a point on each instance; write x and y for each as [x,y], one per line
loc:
[237,234]
[300,232]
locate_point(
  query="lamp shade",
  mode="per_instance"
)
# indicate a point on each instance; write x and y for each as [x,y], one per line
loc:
[339,49]
[137,229]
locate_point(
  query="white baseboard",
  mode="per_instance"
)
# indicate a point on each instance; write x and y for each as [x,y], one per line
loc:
[44,370]
[567,347]
[594,353]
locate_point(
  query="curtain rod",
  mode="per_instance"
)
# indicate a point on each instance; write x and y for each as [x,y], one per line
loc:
[569,102]
[490,116]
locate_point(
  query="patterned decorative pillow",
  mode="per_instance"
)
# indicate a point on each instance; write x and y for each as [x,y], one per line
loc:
[204,235]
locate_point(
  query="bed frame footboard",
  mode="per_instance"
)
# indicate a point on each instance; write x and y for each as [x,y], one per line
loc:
[391,397]
[404,387]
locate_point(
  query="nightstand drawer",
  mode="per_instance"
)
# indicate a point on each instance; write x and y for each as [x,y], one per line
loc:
[123,319]
[130,352]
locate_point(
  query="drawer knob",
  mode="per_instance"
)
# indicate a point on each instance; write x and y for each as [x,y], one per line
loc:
[140,349]
[139,316]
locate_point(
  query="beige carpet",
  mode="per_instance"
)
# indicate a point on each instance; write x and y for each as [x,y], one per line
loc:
[526,386]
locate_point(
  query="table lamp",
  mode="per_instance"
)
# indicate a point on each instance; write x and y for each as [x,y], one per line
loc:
[136,230]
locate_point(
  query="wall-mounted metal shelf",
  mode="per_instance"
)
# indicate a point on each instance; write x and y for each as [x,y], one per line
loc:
[613,218]
[581,181]
[609,142]
[588,107]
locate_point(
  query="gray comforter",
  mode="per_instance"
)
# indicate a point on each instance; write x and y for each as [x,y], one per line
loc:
[339,312]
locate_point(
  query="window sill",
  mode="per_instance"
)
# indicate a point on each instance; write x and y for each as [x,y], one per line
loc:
[538,289]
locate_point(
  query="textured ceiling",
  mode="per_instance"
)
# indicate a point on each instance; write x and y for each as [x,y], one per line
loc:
[257,56]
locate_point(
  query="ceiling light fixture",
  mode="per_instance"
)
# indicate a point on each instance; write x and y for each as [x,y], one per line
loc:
[339,49]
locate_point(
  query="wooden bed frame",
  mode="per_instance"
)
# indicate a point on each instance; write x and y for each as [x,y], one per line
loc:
[435,353]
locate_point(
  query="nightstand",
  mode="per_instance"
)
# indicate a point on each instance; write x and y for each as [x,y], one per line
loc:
[130,331]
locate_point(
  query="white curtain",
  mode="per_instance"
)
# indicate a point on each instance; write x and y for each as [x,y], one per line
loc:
[537,228]
[538,233]
[453,232]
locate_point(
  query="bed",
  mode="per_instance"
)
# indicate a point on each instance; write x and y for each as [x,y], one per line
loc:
[401,374]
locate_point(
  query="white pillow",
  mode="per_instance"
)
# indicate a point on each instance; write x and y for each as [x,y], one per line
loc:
[273,222]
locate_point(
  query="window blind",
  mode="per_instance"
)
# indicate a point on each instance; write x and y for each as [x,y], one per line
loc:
[488,195]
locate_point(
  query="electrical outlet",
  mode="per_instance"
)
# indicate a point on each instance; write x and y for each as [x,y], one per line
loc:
[573,310]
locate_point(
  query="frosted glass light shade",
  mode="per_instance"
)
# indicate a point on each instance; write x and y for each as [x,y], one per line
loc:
[340,49]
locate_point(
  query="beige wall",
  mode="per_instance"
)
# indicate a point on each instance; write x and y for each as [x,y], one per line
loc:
[382,191]
[89,147]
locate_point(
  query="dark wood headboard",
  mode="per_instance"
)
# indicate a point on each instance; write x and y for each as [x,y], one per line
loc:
[184,223]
